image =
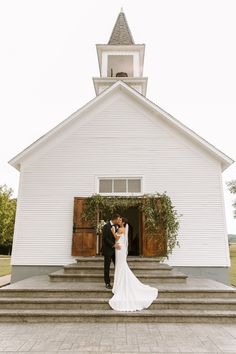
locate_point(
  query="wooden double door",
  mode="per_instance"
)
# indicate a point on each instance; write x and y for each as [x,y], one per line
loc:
[85,242]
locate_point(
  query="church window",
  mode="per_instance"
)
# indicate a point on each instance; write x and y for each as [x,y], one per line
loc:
[134,185]
[105,185]
[120,185]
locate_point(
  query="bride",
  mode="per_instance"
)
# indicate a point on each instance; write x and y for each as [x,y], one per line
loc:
[129,293]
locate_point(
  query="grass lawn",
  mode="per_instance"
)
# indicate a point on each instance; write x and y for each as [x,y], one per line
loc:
[233,264]
[5,267]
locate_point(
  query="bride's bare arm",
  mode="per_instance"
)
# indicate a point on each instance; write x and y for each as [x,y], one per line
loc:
[117,237]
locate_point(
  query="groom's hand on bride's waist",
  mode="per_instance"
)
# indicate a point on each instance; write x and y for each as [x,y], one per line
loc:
[117,246]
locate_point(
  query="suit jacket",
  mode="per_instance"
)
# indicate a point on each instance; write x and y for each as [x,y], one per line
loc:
[108,240]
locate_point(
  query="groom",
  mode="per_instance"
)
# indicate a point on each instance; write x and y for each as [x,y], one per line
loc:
[109,246]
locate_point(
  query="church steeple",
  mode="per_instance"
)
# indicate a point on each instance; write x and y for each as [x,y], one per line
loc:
[121,34]
[121,59]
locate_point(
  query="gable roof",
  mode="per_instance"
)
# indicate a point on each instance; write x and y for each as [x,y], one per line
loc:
[120,85]
[121,34]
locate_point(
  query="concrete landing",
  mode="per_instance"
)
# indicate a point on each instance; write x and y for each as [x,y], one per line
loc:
[43,282]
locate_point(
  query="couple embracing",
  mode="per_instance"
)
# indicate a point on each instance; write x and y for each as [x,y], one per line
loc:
[129,293]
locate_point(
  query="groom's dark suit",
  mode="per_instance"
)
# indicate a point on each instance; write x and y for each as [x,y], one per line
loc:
[108,242]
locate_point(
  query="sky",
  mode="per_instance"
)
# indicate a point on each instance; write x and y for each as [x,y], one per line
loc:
[48,58]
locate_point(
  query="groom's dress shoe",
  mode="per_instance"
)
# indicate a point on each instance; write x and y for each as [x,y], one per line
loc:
[108,286]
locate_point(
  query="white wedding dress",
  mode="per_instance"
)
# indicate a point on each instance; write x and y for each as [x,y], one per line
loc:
[129,293]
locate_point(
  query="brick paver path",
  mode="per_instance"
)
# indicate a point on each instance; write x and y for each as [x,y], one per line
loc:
[117,338]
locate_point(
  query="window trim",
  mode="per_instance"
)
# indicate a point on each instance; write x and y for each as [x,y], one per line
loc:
[98,178]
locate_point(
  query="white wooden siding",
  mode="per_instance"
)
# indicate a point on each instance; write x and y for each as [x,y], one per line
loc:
[119,138]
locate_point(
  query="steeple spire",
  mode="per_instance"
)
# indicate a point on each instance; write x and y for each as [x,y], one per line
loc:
[121,59]
[121,34]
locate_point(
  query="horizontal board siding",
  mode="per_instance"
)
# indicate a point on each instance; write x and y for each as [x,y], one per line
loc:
[120,140]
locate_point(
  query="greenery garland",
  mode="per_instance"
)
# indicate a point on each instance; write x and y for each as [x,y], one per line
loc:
[159,213]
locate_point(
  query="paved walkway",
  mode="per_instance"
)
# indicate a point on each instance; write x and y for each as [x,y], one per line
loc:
[4,280]
[117,338]
[114,338]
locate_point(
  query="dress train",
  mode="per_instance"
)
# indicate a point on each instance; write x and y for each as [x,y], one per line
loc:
[129,293]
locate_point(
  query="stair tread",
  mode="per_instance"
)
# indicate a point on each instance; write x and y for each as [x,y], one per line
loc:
[60,273]
[105,300]
[78,266]
[143,313]
[129,258]
[102,289]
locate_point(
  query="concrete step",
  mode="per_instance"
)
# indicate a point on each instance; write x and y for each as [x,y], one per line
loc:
[99,269]
[102,304]
[175,277]
[132,261]
[89,291]
[194,304]
[153,316]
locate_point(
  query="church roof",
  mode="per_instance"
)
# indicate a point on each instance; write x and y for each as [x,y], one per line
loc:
[121,34]
[120,85]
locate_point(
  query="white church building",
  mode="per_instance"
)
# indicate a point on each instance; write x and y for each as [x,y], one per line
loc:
[119,144]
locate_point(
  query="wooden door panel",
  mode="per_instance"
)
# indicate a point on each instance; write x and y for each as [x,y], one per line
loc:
[153,244]
[84,235]
[84,244]
[78,208]
[88,239]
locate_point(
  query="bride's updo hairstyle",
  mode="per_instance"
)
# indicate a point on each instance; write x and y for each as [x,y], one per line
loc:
[124,220]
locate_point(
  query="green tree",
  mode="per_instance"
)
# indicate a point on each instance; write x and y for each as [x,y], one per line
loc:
[232,189]
[7,216]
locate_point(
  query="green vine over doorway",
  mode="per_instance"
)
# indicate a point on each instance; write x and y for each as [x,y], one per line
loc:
[159,213]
